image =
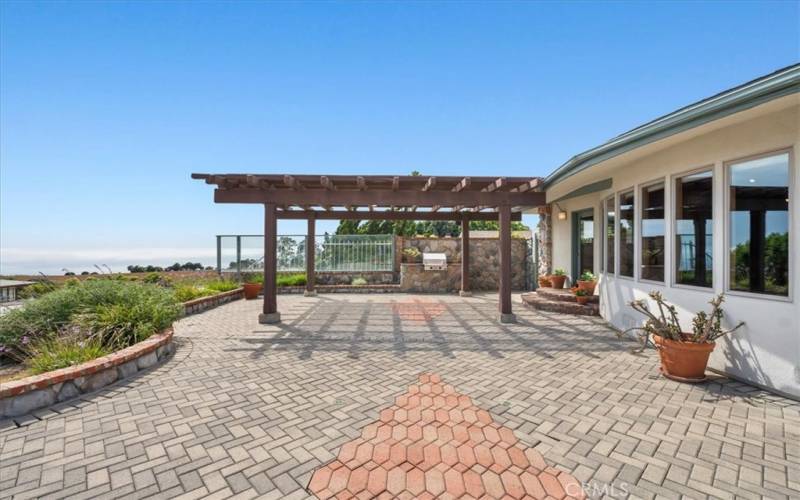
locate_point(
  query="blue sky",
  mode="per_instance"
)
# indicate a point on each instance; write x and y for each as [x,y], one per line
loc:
[106,108]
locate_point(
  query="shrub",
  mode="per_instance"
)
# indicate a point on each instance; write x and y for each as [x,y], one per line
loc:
[185,293]
[559,272]
[588,276]
[37,289]
[50,354]
[298,279]
[152,278]
[359,281]
[117,311]
[220,286]
[411,254]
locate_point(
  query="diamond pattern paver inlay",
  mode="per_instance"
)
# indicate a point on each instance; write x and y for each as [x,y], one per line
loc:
[434,442]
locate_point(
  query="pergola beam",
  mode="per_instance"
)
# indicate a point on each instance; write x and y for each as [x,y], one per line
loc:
[384,198]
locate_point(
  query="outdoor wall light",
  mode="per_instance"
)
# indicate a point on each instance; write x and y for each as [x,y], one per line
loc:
[562,215]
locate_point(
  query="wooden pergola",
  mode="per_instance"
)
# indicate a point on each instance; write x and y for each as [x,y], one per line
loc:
[369,197]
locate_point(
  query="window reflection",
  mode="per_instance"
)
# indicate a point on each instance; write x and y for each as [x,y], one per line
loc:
[759,225]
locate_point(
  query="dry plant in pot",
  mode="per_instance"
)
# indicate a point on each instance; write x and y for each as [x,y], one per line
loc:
[587,282]
[544,281]
[558,278]
[684,356]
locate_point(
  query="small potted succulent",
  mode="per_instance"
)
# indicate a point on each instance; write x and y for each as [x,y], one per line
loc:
[684,356]
[558,278]
[582,296]
[252,286]
[544,281]
[587,282]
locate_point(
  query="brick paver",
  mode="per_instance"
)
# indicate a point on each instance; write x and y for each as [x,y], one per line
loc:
[253,410]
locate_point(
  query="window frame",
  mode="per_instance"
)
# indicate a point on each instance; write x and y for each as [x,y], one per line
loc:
[618,240]
[639,212]
[604,267]
[726,170]
[674,228]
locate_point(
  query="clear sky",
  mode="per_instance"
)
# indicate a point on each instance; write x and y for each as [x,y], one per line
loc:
[106,108]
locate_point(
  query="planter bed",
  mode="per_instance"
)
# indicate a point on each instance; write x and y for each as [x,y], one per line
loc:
[23,396]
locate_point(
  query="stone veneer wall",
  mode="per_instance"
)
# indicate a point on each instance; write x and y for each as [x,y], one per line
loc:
[484,265]
[23,396]
[545,230]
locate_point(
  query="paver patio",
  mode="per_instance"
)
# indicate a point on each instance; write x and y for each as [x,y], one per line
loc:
[253,410]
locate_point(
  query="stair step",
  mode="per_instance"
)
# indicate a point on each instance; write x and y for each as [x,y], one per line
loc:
[560,294]
[541,303]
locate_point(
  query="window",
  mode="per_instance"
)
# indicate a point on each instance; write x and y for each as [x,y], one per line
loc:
[609,241]
[626,234]
[652,233]
[694,229]
[758,201]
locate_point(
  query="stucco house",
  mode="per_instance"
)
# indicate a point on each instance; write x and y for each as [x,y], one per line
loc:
[698,202]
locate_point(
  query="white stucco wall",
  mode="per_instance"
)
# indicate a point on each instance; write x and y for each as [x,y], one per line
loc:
[767,350]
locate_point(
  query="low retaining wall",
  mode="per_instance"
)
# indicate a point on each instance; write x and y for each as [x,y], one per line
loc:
[347,277]
[205,303]
[39,391]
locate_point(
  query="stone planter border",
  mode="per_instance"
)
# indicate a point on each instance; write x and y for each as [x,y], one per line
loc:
[205,303]
[38,391]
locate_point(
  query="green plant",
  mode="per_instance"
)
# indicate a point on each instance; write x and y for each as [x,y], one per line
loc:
[152,278]
[588,276]
[359,281]
[580,292]
[50,354]
[297,279]
[115,311]
[185,293]
[559,272]
[706,327]
[37,289]
[254,279]
[411,254]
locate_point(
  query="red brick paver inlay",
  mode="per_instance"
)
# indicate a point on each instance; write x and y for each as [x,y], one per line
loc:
[434,442]
[419,310]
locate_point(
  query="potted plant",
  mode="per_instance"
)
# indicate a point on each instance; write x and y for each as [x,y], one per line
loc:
[252,286]
[582,296]
[544,281]
[411,254]
[587,282]
[684,356]
[558,278]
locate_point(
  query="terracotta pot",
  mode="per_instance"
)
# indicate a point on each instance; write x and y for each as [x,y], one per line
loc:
[683,361]
[582,299]
[557,281]
[589,286]
[251,290]
[544,282]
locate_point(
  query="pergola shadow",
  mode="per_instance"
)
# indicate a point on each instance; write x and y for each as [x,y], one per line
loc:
[404,326]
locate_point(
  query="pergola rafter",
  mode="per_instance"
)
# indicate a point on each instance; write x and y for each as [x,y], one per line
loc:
[410,197]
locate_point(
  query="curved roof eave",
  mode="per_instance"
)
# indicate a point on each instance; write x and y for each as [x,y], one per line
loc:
[778,84]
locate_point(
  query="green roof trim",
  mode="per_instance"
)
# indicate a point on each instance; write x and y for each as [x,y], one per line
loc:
[778,84]
[587,189]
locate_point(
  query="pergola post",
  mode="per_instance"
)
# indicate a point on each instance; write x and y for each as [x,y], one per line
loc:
[465,291]
[310,257]
[506,315]
[270,312]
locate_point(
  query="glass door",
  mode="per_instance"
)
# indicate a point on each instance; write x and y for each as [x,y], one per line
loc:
[582,242]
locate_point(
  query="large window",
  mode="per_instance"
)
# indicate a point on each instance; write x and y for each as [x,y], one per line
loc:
[758,200]
[694,233]
[609,241]
[652,232]
[626,223]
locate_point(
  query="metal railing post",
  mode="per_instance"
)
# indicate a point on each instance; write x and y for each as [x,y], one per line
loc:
[238,257]
[219,255]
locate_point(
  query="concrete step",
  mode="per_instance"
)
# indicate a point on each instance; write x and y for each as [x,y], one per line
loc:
[541,303]
[561,294]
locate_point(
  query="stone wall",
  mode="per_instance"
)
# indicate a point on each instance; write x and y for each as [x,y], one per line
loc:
[205,303]
[484,265]
[347,277]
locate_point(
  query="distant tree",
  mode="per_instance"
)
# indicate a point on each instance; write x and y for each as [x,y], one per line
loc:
[69,273]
